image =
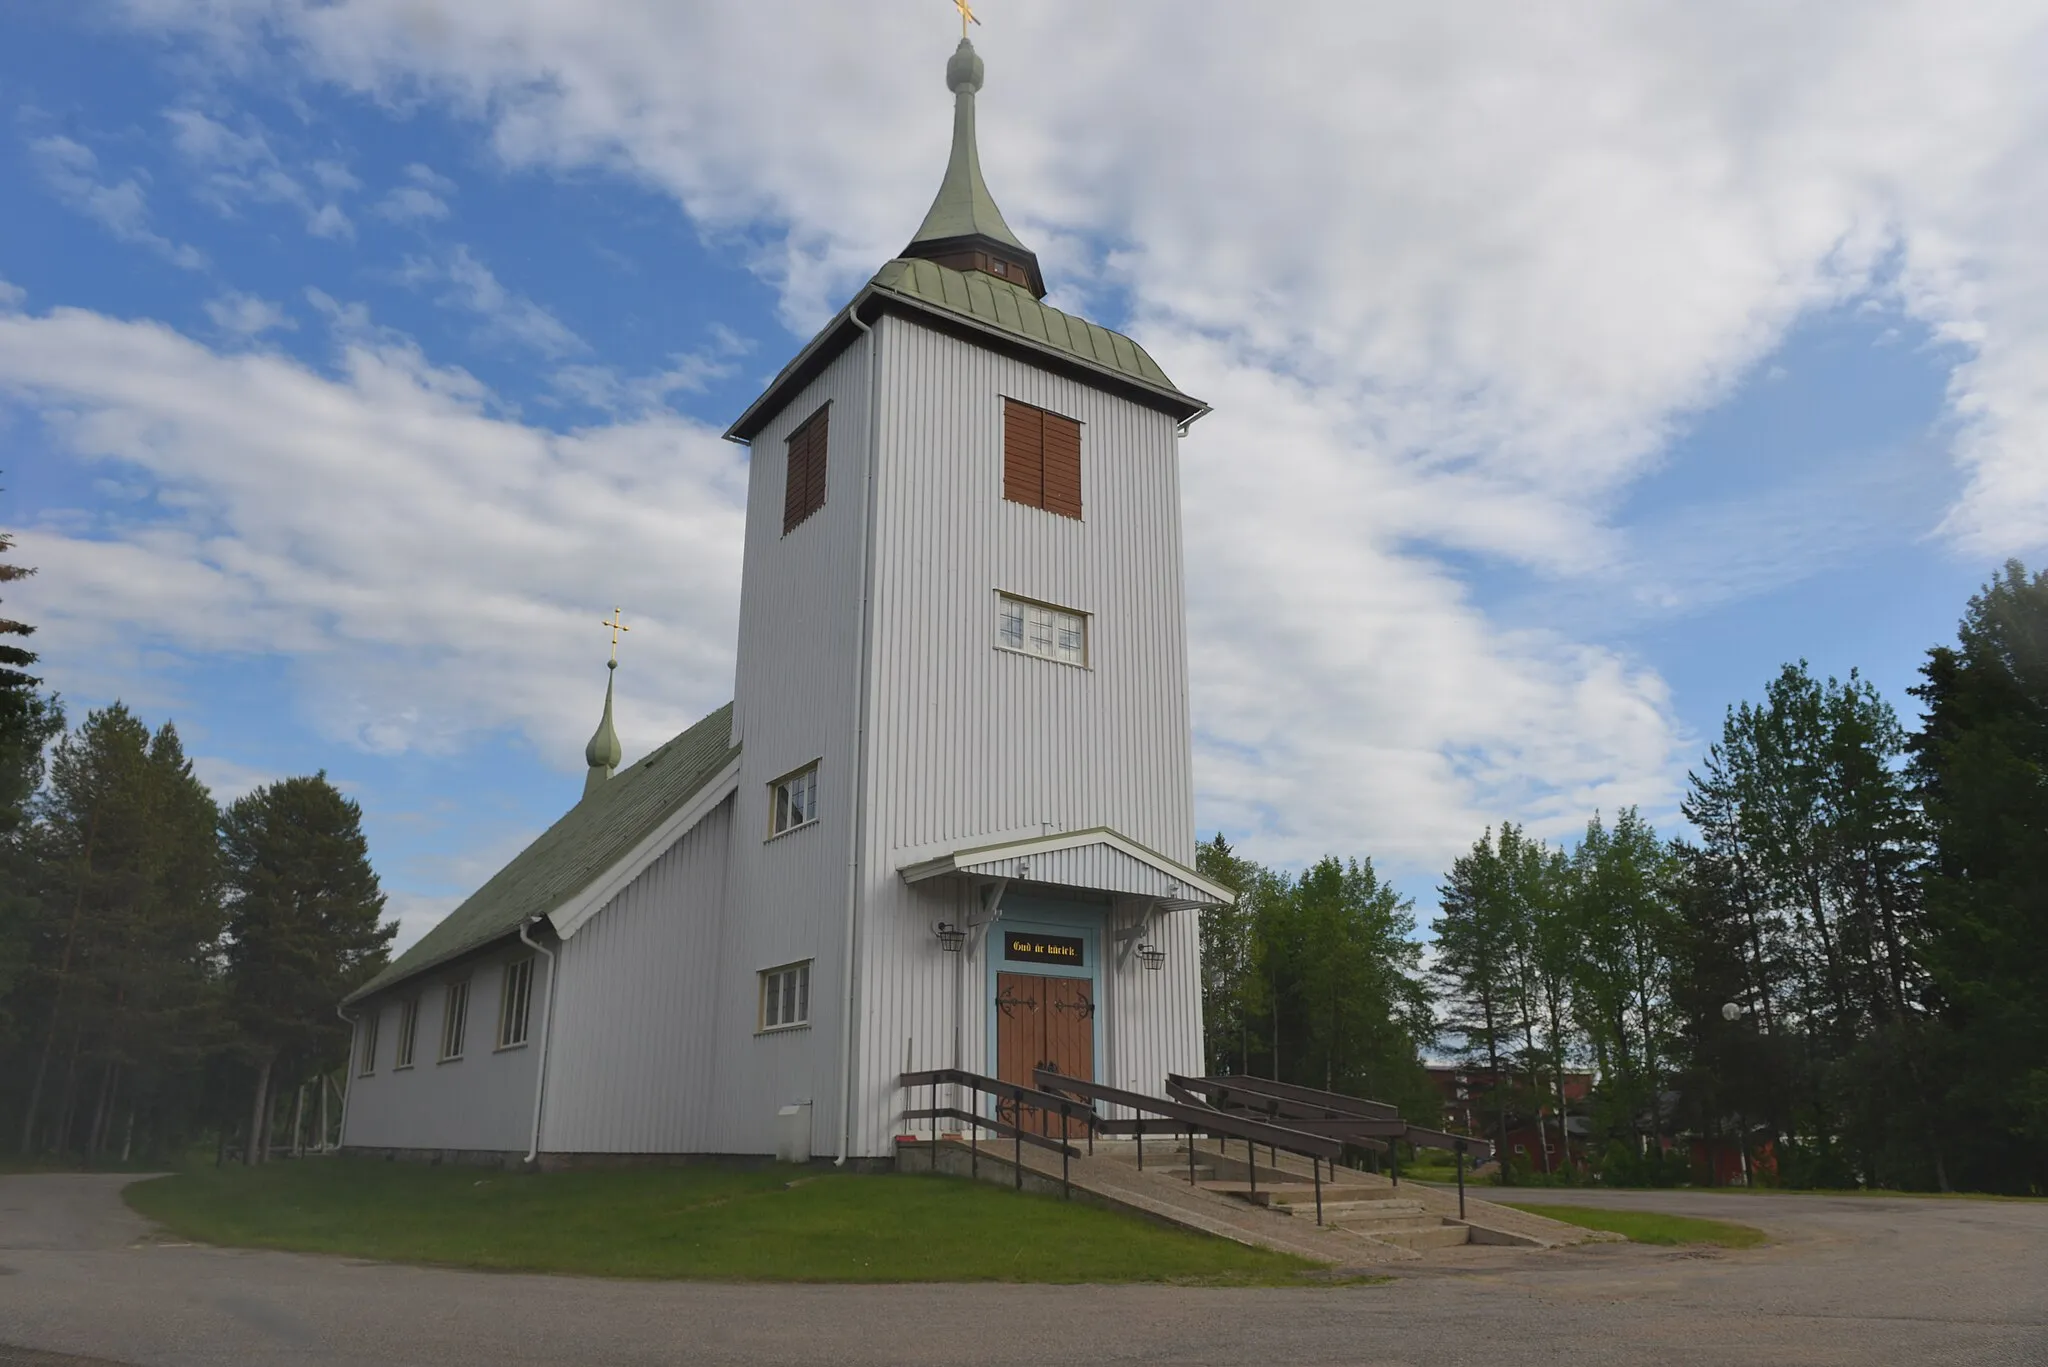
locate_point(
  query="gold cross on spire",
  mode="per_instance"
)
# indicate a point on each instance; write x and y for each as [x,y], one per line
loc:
[617,624]
[966,15]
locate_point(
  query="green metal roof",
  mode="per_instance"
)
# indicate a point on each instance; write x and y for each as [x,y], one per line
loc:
[964,207]
[1011,308]
[570,855]
[997,310]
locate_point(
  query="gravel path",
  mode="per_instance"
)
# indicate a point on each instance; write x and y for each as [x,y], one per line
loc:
[1849,1280]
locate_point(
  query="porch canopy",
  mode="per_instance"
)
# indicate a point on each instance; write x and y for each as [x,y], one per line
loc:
[1096,860]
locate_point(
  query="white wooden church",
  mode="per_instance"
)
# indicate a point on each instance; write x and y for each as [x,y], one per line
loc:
[947,820]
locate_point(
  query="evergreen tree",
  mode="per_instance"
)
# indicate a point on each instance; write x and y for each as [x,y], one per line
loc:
[1341,949]
[303,928]
[1230,953]
[1815,845]
[123,950]
[28,723]
[1981,767]
[1481,939]
[28,720]
[1625,926]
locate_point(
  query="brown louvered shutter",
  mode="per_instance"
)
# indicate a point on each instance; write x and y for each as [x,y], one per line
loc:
[803,488]
[814,487]
[1062,466]
[1023,454]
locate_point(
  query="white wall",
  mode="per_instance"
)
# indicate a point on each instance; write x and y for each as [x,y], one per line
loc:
[799,647]
[969,742]
[481,1101]
[636,1015]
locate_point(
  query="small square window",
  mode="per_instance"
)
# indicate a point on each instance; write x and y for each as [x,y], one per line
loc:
[793,800]
[408,1028]
[786,996]
[455,1021]
[1039,629]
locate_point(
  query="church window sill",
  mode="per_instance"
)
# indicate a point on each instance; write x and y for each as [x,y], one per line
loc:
[791,831]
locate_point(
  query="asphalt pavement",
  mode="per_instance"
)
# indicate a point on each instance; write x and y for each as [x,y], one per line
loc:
[1846,1280]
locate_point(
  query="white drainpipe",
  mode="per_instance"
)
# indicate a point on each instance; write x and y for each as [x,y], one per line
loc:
[855,811]
[547,1030]
[348,1072]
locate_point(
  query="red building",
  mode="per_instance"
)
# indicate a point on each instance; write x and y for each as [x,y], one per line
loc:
[1536,1133]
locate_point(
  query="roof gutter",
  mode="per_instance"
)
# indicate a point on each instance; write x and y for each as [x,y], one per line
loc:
[547,1032]
[856,810]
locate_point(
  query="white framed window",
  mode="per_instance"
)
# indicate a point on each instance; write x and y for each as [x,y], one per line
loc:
[515,998]
[793,800]
[408,1030]
[786,997]
[1041,629]
[366,1059]
[455,1020]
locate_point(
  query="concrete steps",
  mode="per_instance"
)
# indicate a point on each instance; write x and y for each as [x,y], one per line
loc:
[1367,1219]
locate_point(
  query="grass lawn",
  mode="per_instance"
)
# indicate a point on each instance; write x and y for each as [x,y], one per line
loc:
[695,1222]
[1647,1227]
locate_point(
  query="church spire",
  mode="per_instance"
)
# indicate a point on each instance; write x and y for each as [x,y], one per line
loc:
[965,229]
[604,751]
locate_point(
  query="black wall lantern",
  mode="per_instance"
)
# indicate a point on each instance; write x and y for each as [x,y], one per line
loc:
[1152,956]
[950,936]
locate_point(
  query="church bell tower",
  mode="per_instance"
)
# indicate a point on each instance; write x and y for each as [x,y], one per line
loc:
[961,688]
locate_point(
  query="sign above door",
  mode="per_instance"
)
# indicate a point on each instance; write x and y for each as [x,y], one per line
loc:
[1023,947]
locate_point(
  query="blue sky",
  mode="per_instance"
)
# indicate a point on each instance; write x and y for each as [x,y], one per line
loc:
[356,358]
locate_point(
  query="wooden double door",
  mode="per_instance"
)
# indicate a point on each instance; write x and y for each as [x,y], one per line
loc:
[1043,1022]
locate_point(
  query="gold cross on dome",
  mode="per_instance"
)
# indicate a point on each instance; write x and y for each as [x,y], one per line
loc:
[617,624]
[966,15]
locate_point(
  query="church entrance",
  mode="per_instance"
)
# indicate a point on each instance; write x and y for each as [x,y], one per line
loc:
[1043,1022]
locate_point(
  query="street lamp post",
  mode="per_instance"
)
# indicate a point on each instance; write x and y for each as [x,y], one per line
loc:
[1733,1012]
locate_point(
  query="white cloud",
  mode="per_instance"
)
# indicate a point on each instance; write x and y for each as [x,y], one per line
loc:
[433,571]
[12,296]
[334,178]
[228,779]
[417,914]
[238,167]
[247,316]
[71,170]
[505,314]
[1453,276]
[423,196]
[603,387]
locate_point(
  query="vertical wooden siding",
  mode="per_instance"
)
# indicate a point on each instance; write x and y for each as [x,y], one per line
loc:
[799,650]
[483,1101]
[637,1014]
[968,741]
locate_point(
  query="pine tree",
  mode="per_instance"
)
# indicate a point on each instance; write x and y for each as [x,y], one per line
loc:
[1350,970]
[1476,973]
[1815,844]
[1623,919]
[1228,953]
[122,955]
[303,928]
[1980,764]
[29,721]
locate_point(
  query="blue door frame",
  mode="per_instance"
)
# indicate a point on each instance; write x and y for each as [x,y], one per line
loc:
[1051,917]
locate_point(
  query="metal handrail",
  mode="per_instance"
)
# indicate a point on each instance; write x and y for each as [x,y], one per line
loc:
[1197,1116]
[1387,1125]
[1048,1103]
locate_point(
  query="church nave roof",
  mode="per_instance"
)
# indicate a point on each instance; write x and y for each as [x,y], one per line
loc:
[568,857]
